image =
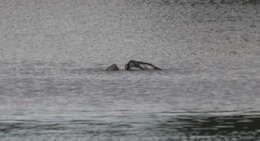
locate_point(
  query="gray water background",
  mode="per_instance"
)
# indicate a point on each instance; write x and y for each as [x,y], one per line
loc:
[53,85]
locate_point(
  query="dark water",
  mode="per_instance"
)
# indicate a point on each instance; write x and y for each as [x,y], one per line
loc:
[65,101]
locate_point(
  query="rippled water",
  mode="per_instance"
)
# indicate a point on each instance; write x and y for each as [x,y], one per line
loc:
[65,101]
[54,52]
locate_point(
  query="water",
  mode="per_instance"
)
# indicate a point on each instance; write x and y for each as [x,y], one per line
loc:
[63,101]
[53,85]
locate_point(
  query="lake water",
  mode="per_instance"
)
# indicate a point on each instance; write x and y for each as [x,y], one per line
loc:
[63,101]
[53,85]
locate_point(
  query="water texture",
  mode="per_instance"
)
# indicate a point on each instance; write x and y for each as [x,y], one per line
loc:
[65,102]
[53,85]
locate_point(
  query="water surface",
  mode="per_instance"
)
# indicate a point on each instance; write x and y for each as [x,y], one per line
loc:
[64,101]
[54,52]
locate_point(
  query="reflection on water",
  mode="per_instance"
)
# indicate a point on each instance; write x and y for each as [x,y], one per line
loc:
[243,127]
[189,127]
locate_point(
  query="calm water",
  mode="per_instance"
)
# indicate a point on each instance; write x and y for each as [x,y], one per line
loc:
[65,101]
[53,85]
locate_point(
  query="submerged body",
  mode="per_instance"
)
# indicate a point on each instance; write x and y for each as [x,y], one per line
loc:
[113,67]
[133,65]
